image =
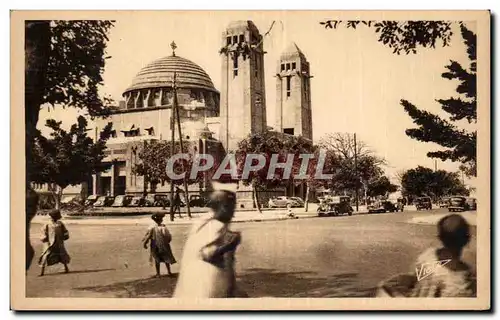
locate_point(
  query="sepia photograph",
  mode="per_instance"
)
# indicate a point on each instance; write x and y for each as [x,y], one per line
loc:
[250,160]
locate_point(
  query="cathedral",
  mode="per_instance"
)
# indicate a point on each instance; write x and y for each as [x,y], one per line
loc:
[222,116]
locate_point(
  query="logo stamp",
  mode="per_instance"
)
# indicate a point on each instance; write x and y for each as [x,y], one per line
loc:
[426,269]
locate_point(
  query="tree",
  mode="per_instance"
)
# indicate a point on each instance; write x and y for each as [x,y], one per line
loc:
[267,144]
[407,36]
[380,187]
[68,157]
[369,166]
[154,156]
[402,36]
[64,61]
[460,144]
[63,67]
[423,181]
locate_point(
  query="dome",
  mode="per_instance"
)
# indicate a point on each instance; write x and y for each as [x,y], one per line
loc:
[160,74]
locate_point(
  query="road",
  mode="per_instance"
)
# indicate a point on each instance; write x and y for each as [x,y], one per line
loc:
[318,257]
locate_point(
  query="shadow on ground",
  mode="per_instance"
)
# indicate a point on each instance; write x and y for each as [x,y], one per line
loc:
[47,274]
[270,283]
[253,282]
[142,288]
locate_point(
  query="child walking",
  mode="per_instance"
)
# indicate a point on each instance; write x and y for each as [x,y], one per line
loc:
[159,238]
[54,234]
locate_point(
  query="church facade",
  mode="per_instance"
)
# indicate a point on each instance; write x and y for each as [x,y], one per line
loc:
[222,117]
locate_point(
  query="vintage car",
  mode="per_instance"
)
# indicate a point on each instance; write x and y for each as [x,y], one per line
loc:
[458,203]
[334,206]
[382,206]
[104,201]
[157,200]
[196,200]
[282,202]
[137,201]
[91,200]
[298,200]
[423,203]
[122,201]
[472,203]
[444,202]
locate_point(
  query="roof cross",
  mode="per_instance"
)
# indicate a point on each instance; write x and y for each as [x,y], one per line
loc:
[173,46]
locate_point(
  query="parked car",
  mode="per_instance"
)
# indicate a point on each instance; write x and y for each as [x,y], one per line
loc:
[157,200]
[137,201]
[299,201]
[196,200]
[122,201]
[282,202]
[444,202]
[458,203]
[382,206]
[423,203]
[472,203]
[335,205]
[71,203]
[91,200]
[104,201]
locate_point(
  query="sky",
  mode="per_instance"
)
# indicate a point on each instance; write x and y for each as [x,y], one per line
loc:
[357,86]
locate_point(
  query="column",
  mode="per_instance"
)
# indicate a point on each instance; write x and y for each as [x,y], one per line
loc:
[96,184]
[112,184]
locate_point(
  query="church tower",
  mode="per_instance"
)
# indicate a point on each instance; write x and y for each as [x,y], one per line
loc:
[243,97]
[293,93]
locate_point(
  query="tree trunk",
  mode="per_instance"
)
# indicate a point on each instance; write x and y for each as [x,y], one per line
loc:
[31,208]
[365,192]
[256,198]
[306,202]
[37,50]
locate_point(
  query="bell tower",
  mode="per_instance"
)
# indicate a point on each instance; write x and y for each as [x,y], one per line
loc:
[243,96]
[293,93]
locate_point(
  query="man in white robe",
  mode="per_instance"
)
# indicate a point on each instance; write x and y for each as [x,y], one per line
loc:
[207,265]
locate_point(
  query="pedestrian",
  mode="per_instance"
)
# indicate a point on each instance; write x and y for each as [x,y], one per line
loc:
[439,272]
[207,266]
[54,234]
[290,212]
[177,202]
[159,239]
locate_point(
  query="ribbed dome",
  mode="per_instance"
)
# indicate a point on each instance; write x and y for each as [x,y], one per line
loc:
[160,74]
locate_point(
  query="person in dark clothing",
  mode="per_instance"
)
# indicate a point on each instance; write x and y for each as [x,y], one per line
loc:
[177,202]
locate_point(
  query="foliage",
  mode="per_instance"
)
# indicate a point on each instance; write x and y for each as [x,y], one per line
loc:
[268,143]
[68,157]
[426,182]
[380,187]
[402,36]
[460,144]
[154,156]
[76,59]
[64,62]
[369,166]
